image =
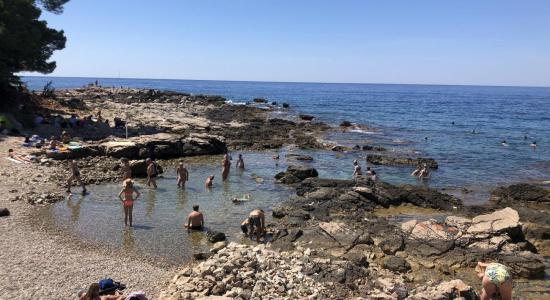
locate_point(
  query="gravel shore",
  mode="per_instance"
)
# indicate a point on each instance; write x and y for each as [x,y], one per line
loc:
[39,262]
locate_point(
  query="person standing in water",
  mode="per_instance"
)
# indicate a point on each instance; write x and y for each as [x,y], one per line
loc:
[126,169]
[495,279]
[209,181]
[226,165]
[128,191]
[240,162]
[195,220]
[75,175]
[152,173]
[182,175]
[356,169]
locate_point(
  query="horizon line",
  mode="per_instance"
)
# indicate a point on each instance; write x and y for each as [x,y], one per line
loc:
[306,82]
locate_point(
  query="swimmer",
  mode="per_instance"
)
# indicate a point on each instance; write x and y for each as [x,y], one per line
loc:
[525,137]
[126,169]
[473,131]
[128,191]
[495,280]
[226,165]
[182,175]
[240,162]
[209,181]
[425,172]
[374,177]
[243,199]
[369,171]
[416,171]
[534,144]
[75,175]
[453,122]
[195,220]
[152,173]
[356,169]
[276,157]
[504,143]
[425,138]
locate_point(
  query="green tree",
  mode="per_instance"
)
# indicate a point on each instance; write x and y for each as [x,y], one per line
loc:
[26,43]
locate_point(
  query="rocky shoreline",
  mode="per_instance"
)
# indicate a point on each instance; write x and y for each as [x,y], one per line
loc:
[325,242]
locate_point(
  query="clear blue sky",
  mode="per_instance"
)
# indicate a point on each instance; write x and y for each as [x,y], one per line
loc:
[485,42]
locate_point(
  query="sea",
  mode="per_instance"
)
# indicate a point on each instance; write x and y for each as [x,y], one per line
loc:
[461,127]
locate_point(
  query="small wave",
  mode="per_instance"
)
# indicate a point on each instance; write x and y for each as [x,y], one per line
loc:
[234,103]
[364,131]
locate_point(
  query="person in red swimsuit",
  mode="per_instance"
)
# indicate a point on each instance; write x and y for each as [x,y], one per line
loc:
[128,191]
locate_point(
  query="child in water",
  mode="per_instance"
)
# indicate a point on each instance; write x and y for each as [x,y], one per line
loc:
[128,191]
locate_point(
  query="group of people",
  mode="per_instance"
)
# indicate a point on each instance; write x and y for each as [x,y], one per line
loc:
[357,171]
[422,171]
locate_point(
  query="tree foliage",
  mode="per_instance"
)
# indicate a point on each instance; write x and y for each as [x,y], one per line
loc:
[27,43]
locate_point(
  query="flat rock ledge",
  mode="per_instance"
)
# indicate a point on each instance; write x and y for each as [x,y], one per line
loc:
[257,272]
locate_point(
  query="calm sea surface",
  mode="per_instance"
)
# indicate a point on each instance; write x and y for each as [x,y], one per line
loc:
[401,118]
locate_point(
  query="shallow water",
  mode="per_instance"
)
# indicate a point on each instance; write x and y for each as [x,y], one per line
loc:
[160,214]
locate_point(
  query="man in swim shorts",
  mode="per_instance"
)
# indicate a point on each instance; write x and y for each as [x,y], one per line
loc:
[75,175]
[152,173]
[256,223]
[195,220]
[495,279]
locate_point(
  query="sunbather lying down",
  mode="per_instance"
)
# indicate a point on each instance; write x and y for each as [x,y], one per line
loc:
[94,291]
[17,157]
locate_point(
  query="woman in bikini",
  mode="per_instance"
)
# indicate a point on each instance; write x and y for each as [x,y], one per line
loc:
[128,191]
[495,279]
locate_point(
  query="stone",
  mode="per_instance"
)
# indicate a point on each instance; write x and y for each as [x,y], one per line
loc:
[295,174]
[396,264]
[119,149]
[378,159]
[218,246]
[345,124]
[259,100]
[292,156]
[4,212]
[505,220]
[520,194]
[306,117]
[215,236]
[391,244]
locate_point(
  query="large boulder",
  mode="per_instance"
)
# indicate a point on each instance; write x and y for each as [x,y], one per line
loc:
[501,221]
[302,157]
[396,264]
[388,194]
[296,173]
[378,159]
[120,149]
[203,144]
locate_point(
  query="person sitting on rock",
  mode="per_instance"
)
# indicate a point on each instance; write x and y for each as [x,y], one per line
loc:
[209,181]
[75,175]
[126,169]
[256,223]
[240,162]
[495,280]
[356,169]
[195,220]
[152,173]
[182,175]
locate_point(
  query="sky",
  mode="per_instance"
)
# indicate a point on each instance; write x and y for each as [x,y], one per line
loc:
[490,42]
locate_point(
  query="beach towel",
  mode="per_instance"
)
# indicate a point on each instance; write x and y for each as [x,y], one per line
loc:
[13,160]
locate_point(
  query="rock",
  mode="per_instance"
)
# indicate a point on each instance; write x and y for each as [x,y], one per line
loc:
[396,264]
[345,124]
[201,255]
[391,244]
[299,172]
[139,168]
[373,148]
[378,159]
[215,236]
[520,194]
[260,100]
[302,157]
[4,212]
[339,148]
[387,194]
[286,105]
[218,246]
[454,289]
[120,149]
[502,221]
[306,117]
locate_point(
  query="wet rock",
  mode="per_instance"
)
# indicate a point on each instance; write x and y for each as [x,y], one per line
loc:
[201,255]
[286,105]
[4,212]
[299,172]
[388,194]
[373,148]
[345,124]
[215,236]
[301,157]
[378,159]
[218,246]
[339,148]
[260,100]
[396,264]
[306,117]
[520,194]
